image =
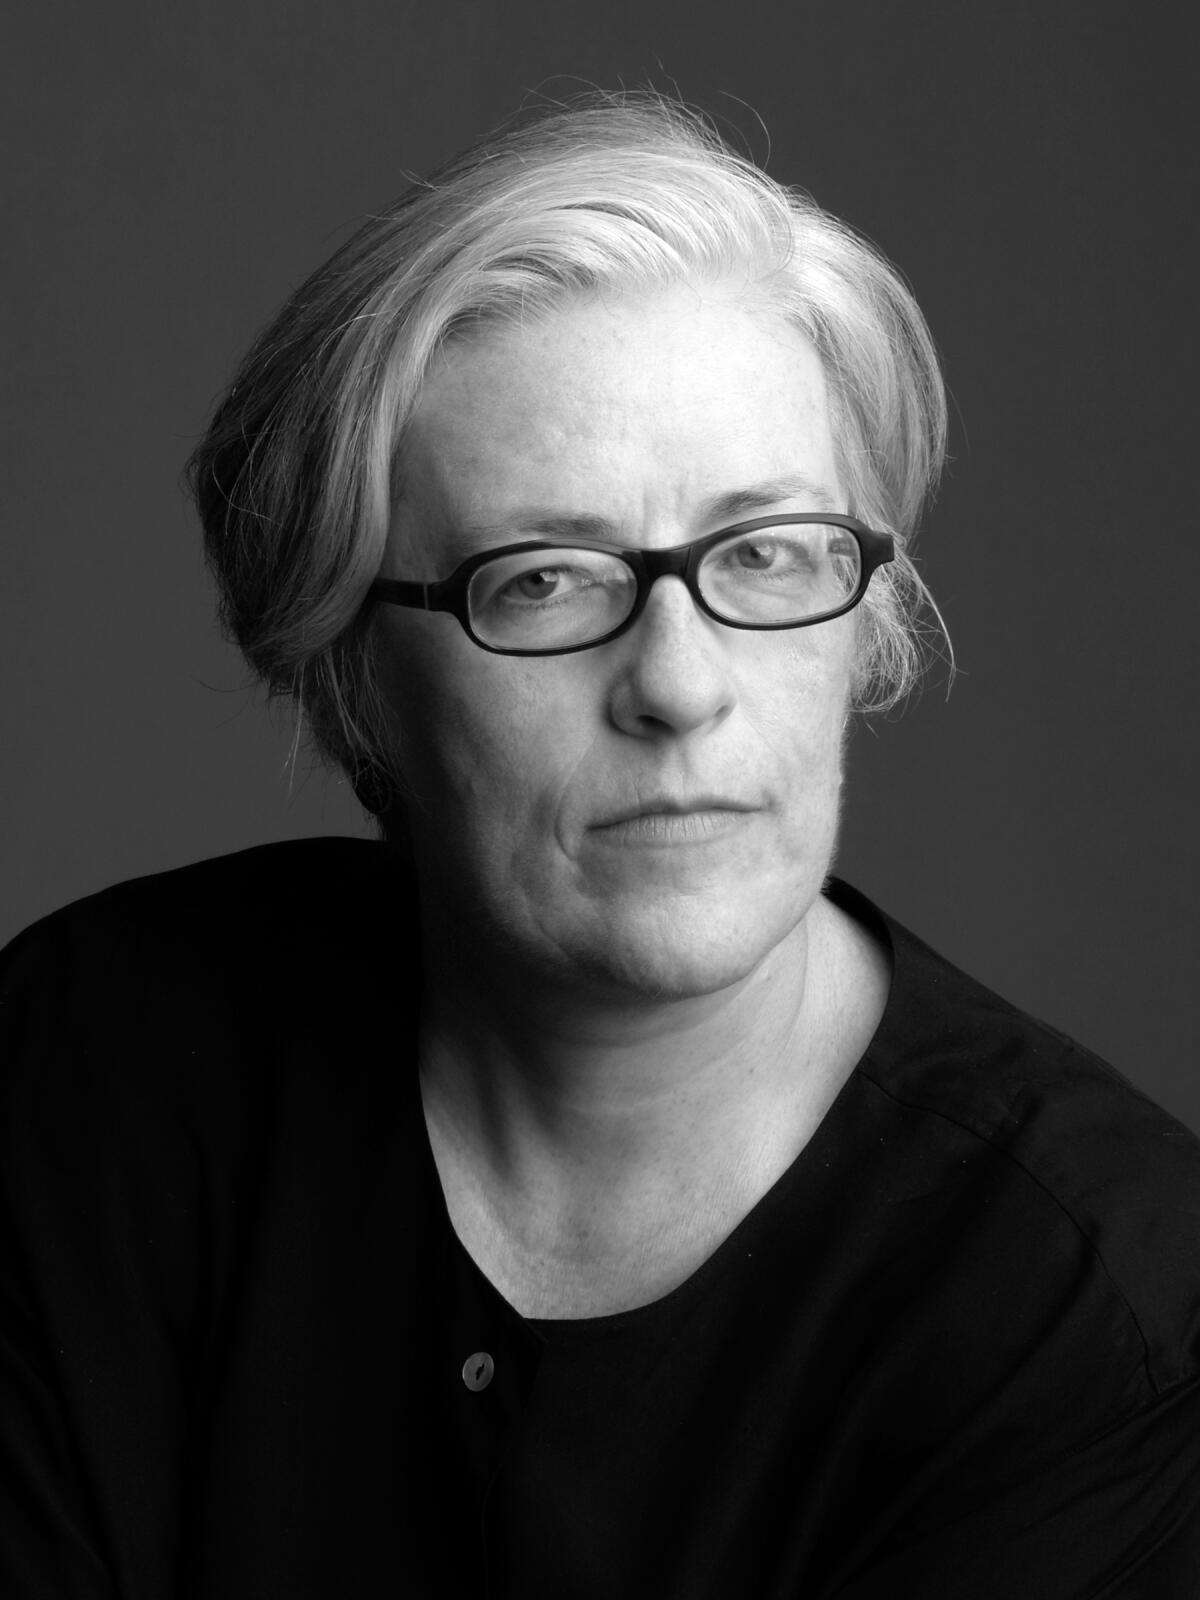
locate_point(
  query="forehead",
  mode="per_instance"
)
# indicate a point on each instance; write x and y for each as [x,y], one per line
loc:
[637,410]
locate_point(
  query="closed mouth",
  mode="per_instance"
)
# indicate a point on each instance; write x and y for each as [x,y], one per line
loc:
[702,805]
[673,824]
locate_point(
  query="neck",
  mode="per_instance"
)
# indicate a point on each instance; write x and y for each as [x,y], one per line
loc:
[585,1142]
[602,1080]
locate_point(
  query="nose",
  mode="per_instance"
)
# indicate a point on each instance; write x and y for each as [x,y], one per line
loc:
[675,675]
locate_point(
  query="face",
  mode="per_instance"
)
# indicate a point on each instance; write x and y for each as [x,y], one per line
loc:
[653,816]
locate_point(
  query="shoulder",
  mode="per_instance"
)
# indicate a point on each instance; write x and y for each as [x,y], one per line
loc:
[167,1044]
[203,921]
[191,1070]
[263,888]
[216,971]
[1091,1174]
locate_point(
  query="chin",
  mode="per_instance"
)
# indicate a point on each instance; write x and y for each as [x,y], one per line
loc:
[666,951]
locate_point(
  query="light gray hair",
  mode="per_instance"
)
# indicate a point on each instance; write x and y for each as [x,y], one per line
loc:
[296,477]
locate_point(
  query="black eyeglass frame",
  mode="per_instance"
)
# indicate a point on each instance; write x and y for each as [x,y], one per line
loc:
[680,561]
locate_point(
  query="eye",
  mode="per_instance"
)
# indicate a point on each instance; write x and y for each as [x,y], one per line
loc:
[541,584]
[782,573]
[549,598]
[766,554]
[771,553]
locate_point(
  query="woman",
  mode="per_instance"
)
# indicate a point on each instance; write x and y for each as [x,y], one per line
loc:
[578,1192]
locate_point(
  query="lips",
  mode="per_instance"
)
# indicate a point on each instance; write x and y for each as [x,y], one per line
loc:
[695,806]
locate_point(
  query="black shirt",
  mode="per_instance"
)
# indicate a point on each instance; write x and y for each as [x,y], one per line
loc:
[951,1353]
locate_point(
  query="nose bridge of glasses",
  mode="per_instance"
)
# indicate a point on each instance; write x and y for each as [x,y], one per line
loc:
[681,561]
[656,564]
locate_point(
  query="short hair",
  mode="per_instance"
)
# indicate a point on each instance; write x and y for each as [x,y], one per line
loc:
[296,477]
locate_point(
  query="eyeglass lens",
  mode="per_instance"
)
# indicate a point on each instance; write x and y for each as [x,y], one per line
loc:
[553,598]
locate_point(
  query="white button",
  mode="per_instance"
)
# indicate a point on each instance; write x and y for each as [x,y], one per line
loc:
[478,1370]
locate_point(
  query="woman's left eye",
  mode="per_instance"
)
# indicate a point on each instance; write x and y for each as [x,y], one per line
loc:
[764,555]
[760,554]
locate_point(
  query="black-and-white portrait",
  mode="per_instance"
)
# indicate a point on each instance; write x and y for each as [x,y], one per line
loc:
[600,874]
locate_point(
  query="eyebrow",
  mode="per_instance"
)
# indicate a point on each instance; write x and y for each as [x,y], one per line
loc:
[796,486]
[537,522]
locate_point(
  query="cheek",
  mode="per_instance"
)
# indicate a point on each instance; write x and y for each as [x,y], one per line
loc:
[802,728]
[472,734]
[804,702]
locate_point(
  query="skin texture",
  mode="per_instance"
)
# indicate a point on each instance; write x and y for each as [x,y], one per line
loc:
[633,1017]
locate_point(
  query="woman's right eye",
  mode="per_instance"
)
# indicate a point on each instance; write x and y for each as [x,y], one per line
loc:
[544,583]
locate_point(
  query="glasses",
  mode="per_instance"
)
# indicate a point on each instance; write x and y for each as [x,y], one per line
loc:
[543,599]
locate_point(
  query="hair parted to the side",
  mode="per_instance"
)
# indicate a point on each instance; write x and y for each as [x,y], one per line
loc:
[295,478]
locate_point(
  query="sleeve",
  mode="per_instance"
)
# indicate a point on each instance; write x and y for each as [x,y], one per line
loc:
[91,1383]
[1116,1519]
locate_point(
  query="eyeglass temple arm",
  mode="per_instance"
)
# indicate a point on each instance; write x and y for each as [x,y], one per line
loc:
[400,593]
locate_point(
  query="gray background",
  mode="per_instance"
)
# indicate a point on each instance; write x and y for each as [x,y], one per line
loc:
[1029,166]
